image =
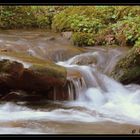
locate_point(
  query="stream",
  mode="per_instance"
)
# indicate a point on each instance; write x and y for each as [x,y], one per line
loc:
[97,104]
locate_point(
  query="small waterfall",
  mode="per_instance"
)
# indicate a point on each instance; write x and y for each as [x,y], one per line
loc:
[75,88]
[86,71]
[88,78]
[100,93]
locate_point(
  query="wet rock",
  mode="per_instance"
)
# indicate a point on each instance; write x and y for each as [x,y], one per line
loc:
[62,93]
[127,69]
[42,78]
[39,78]
[11,68]
[85,60]
[14,96]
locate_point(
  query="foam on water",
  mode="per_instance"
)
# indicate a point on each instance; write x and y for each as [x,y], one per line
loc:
[105,95]
[20,130]
[13,112]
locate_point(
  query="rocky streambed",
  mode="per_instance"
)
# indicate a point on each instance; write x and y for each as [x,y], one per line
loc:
[47,85]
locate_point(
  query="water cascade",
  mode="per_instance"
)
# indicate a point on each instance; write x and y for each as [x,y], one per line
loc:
[97,103]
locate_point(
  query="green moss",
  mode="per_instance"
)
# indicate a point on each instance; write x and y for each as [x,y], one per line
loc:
[24,57]
[132,59]
[51,70]
[39,66]
[127,69]
[4,66]
[130,74]
[137,43]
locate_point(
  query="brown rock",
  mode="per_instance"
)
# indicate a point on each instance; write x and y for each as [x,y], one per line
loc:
[39,79]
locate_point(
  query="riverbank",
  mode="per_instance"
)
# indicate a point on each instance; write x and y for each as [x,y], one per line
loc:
[89,25]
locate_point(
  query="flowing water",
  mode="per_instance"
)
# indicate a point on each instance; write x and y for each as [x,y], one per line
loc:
[97,104]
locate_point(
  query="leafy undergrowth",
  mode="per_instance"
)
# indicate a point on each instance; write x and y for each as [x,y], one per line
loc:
[100,25]
[91,25]
[27,16]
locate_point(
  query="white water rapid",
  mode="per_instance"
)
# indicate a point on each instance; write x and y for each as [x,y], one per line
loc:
[109,99]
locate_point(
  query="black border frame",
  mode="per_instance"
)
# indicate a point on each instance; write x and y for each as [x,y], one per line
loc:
[72,3]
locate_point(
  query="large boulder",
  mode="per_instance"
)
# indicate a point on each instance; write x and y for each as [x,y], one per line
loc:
[127,69]
[35,76]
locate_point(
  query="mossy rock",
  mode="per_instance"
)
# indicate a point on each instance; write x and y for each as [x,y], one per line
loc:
[51,73]
[39,78]
[127,69]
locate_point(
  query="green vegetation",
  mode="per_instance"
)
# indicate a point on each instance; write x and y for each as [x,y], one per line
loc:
[26,16]
[91,25]
[100,25]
